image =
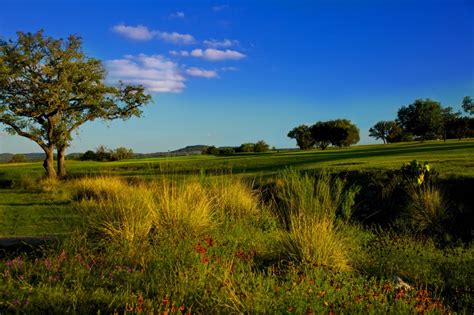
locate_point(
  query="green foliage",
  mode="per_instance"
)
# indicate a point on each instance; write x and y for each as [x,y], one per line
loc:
[103,154]
[468,105]
[261,146]
[303,137]
[339,132]
[18,158]
[423,118]
[387,131]
[49,88]
[246,147]
[211,150]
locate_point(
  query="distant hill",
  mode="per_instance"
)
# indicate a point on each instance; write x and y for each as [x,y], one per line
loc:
[188,150]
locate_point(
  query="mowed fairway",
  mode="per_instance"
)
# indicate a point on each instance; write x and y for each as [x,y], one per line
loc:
[450,158]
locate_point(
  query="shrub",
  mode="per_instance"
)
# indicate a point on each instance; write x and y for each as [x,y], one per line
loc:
[17,158]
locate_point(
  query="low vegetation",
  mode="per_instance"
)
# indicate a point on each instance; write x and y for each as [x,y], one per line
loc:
[190,244]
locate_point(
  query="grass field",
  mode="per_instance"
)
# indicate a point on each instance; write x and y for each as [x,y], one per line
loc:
[261,239]
[450,158]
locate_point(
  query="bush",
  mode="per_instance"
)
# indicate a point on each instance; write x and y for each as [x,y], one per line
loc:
[18,158]
[261,146]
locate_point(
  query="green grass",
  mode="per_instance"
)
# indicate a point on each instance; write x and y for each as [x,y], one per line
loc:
[450,158]
[187,236]
[30,213]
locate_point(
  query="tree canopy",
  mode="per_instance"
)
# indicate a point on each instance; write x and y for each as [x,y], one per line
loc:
[423,119]
[303,137]
[49,88]
[387,131]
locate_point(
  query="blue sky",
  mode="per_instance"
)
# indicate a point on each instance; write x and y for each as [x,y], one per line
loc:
[229,72]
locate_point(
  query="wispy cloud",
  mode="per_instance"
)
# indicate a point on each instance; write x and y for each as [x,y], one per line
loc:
[216,54]
[198,72]
[176,38]
[142,33]
[155,72]
[218,8]
[138,32]
[177,15]
[221,44]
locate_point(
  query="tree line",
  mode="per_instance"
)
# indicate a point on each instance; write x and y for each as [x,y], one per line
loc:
[339,133]
[258,147]
[426,119]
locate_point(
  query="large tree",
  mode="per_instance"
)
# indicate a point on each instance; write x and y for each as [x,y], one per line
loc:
[49,88]
[468,105]
[384,130]
[302,135]
[345,138]
[323,132]
[423,118]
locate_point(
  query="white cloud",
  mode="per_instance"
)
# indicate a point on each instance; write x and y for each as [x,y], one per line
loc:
[176,38]
[216,54]
[141,32]
[155,72]
[223,43]
[138,32]
[177,15]
[217,8]
[197,72]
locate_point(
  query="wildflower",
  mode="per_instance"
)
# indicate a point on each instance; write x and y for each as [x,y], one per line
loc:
[200,249]
[165,301]
[209,241]
[205,259]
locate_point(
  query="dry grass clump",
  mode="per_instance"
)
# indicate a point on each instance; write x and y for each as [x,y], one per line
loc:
[234,199]
[184,208]
[427,209]
[315,241]
[130,212]
[112,207]
[308,207]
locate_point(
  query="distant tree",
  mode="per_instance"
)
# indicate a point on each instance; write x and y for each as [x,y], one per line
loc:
[121,154]
[226,151]
[17,158]
[246,147]
[458,127]
[468,105]
[382,130]
[261,146]
[303,137]
[423,118]
[49,88]
[89,156]
[398,135]
[321,132]
[103,153]
[211,150]
[347,137]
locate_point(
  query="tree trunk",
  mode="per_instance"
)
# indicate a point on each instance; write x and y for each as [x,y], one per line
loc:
[48,163]
[61,162]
